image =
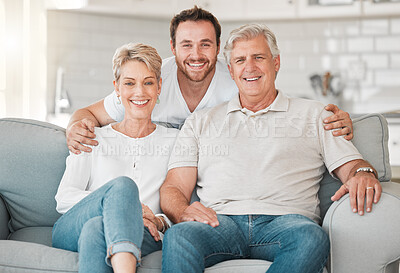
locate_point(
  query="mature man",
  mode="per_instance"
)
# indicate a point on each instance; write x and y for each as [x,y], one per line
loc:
[193,79]
[257,161]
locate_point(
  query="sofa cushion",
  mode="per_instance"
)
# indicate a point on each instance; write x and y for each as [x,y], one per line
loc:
[32,163]
[39,235]
[371,139]
[152,264]
[4,218]
[23,257]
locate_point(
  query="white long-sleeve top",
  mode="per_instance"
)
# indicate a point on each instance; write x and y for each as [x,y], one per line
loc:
[144,160]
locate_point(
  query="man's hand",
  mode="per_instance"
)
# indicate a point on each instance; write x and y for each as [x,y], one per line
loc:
[360,187]
[152,222]
[199,213]
[339,120]
[81,132]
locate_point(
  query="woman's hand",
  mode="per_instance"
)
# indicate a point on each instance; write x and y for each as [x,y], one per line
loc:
[152,222]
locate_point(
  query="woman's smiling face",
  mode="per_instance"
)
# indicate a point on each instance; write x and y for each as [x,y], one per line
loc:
[138,88]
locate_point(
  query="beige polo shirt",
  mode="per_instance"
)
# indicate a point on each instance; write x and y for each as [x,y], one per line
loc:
[269,162]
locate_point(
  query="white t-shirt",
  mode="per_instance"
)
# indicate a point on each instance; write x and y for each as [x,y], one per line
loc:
[172,108]
[144,160]
[269,162]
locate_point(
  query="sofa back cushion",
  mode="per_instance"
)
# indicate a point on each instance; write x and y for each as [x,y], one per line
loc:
[33,155]
[32,163]
[371,139]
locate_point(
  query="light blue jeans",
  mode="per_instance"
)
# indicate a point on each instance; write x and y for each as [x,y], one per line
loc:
[107,221]
[293,243]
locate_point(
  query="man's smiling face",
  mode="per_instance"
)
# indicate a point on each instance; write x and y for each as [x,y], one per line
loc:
[252,67]
[196,49]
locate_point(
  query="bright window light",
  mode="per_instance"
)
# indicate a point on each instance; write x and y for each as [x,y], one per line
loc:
[26,58]
[2,47]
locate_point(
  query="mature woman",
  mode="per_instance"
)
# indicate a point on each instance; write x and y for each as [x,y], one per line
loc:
[109,197]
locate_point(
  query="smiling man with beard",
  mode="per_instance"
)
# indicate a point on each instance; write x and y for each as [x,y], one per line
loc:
[193,79]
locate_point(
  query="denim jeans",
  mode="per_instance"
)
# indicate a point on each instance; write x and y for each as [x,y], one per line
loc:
[294,243]
[107,221]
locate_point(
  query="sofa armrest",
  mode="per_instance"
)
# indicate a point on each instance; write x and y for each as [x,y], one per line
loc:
[369,243]
[4,219]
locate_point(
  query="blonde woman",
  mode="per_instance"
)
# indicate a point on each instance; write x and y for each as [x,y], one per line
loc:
[109,198]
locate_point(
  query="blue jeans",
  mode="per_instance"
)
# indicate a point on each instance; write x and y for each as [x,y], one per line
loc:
[107,221]
[294,243]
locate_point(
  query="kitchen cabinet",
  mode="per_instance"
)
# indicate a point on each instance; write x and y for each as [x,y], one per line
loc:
[225,10]
[328,8]
[381,7]
[394,141]
[274,9]
[250,10]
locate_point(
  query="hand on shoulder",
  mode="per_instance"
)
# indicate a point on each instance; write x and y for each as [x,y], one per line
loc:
[79,133]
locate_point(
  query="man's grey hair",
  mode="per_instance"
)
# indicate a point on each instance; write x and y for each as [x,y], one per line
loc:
[247,32]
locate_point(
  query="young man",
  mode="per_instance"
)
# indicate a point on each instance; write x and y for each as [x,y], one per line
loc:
[257,161]
[192,80]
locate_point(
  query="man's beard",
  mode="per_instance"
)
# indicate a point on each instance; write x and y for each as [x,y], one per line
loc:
[197,76]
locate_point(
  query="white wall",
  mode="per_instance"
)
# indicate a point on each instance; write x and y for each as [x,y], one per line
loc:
[84,44]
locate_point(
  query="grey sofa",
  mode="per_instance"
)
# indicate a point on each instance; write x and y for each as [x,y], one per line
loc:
[32,161]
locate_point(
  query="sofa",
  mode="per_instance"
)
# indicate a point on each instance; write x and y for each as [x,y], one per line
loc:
[32,162]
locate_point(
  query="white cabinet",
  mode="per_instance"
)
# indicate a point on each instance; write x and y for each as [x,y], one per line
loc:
[226,10]
[346,8]
[381,7]
[325,8]
[250,10]
[271,9]
[394,142]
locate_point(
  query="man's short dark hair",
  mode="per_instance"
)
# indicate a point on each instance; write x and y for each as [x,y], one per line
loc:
[194,14]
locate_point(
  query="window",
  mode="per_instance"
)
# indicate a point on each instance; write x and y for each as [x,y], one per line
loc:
[2,48]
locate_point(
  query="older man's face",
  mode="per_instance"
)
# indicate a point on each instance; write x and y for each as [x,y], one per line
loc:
[253,68]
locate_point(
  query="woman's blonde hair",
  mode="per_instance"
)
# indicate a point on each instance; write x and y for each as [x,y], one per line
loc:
[137,52]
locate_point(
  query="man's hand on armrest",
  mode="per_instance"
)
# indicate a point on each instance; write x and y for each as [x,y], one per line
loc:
[339,120]
[80,129]
[363,187]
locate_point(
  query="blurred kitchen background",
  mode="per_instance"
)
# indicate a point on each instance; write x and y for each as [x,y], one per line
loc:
[55,55]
